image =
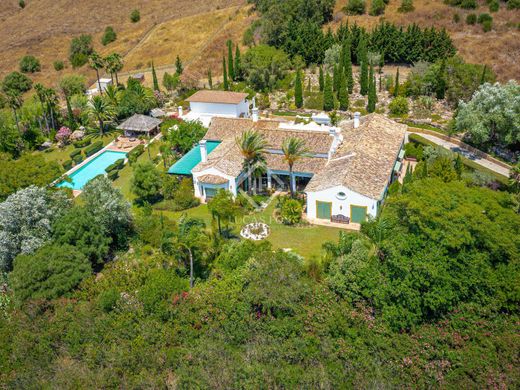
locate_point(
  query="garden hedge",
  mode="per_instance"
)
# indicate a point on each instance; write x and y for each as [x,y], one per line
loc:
[95,147]
[117,165]
[74,153]
[67,165]
[113,175]
[78,159]
[82,143]
[135,153]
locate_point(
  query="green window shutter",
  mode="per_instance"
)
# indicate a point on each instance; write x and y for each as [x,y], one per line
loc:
[358,214]
[323,210]
[210,192]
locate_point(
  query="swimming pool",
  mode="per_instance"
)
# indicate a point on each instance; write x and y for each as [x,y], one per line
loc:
[91,169]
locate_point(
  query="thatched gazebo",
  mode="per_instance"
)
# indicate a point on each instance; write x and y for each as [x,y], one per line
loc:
[138,125]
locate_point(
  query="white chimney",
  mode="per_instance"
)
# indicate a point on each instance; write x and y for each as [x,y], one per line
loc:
[180,111]
[254,111]
[356,119]
[203,151]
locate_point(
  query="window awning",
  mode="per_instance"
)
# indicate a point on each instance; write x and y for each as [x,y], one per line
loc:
[397,167]
[401,154]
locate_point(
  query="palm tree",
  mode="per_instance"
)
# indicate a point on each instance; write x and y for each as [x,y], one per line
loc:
[101,110]
[112,95]
[15,102]
[114,65]
[293,150]
[97,62]
[40,93]
[252,146]
[192,238]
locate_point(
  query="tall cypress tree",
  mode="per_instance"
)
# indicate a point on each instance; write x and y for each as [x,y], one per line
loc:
[396,86]
[335,78]
[70,114]
[363,62]
[440,88]
[347,65]
[231,71]
[178,66]
[328,94]
[380,70]
[372,96]
[343,92]
[321,79]
[154,78]
[210,79]
[298,90]
[226,84]
[238,64]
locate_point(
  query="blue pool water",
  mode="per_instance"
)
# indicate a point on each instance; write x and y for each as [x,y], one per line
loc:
[92,169]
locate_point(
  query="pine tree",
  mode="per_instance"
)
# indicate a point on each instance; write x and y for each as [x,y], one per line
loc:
[298,90]
[347,65]
[343,93]
[372,96]
[363,60]
[396,87]
[231,71]
[238,64]
[178,66]
[226,84]
[440,90]
[328,94]
[321,80]
[154,78]
[210,79]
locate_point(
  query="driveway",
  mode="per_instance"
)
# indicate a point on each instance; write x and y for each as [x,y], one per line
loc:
[466,153]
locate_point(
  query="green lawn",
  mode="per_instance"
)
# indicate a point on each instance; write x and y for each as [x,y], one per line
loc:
[125,174]
[63,154]
[305,240]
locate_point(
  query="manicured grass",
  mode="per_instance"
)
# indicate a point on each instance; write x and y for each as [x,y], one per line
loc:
[61,155]
[123,182]
[305,240]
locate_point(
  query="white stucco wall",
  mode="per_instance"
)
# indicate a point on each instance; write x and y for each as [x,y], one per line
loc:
[197,186]
[339,206]
[220,108]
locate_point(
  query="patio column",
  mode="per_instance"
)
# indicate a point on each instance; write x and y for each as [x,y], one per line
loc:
[293,182]
[269,185]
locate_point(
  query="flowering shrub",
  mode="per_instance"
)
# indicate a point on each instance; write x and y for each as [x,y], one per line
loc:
[63,134]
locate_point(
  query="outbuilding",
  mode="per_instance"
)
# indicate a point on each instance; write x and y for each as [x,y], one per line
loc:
[207,104]
[140,125]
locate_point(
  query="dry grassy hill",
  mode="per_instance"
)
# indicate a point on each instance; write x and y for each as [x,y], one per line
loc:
[44,28]
[198,29]
[499,48]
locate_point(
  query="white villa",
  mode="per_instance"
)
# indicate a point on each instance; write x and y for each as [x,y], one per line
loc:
[204,105]
[345,177]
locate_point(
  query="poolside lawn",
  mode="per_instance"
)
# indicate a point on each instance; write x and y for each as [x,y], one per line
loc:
[305,240]
[60,155]
[123,182]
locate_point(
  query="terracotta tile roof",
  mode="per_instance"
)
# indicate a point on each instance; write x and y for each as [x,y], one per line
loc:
[224,97]
[312,165]
[226,157]
[231,128]
[212,179]
[365,159]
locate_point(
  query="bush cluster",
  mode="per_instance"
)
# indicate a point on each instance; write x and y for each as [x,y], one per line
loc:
[109,36]
[135,153]
[74,153]
[82,143]
[29,64]
[95,147]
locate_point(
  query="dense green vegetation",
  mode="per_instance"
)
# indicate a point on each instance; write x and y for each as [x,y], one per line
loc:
[427,294]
